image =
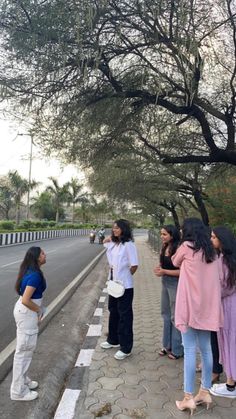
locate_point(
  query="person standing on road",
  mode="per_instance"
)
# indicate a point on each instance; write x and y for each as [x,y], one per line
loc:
[198,309]
[28,312]
[123,262]
[172,341]
[225,244]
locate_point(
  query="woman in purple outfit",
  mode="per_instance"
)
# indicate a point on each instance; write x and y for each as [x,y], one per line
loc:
[224,242]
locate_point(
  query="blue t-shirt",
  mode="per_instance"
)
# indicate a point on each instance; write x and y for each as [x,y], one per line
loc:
[33,279]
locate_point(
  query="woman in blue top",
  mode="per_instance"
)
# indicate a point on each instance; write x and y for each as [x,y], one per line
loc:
[28,312]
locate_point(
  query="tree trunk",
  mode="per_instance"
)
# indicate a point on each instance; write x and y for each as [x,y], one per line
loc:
[73,212]
[201,206]
[175,217]
[57,216]
[17,215]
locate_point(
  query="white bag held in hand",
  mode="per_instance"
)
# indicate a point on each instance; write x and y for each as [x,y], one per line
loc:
[115,289]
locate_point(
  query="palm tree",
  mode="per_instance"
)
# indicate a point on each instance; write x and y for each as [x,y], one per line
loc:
[19,187]
[75,195]
[6,197]
[59,193]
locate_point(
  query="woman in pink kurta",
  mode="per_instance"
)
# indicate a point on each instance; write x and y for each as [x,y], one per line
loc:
[224,242]
[198,308]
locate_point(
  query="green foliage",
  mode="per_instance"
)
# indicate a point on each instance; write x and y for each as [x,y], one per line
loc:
[43,206]
[222,198]
[41,224]
[26,225]
[7,225]
[52,223]
[59,195]
[106,70]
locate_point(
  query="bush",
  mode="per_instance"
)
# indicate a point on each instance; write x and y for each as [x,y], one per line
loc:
[51,223]
[41,224]
[26,224]
[7,225]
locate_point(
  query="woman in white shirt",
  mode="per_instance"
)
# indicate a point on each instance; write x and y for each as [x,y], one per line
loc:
[123,262]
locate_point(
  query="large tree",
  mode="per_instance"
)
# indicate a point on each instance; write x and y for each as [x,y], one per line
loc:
[19,187]
[75,194]
[59,195]
[139,180]
[43,206]
[158,70]
[6,197]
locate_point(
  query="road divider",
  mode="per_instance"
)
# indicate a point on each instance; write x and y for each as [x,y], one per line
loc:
[19,237]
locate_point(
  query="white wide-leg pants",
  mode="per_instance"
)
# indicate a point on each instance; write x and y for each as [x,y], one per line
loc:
[26,340]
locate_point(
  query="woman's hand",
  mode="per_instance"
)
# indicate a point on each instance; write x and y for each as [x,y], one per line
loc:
[41,313]
[158,271]
[133,269]
[107,240]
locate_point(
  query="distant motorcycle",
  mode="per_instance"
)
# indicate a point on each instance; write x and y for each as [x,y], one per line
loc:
[92,237]
[101,237]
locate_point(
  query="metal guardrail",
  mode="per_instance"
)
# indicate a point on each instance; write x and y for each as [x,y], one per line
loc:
[154,240]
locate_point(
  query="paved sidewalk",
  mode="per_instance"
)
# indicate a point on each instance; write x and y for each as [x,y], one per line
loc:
[144,385]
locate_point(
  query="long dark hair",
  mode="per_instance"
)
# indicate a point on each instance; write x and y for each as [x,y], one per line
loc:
[30,261]
[195,231]
[174,242]
[228,250]
[126,232]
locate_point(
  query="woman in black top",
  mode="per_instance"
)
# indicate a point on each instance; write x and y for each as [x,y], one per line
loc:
[172,342]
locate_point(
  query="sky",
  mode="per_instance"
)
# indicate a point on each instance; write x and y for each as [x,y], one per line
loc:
[15,153]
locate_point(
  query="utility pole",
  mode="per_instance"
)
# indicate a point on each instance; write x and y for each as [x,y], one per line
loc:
[30,170]
[29,180]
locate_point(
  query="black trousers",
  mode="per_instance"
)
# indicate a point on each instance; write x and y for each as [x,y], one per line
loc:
[217,368]
[120,327]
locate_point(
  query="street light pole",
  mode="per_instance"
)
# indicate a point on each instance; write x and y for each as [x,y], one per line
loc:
[29,178]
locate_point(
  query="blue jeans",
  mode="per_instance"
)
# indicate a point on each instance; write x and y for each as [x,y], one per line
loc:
[171,336]
[195,339]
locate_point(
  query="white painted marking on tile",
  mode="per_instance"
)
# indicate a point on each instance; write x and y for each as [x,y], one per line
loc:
[95,330]
[104,290]
[66,408]
[85,357]
[102,299]
[98,312]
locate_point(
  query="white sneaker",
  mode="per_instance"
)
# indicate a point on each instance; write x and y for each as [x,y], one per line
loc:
[121,355]
[107,345]
[221,390]
[33,385]
[32,395]
[215,386]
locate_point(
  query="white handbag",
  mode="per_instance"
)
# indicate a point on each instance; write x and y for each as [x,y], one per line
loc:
[115,289]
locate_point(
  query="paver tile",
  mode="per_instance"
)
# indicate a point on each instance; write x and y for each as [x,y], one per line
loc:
[110,383]
[144,385]
[105,395]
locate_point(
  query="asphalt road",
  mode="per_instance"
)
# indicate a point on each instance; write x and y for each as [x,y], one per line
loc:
[66,258]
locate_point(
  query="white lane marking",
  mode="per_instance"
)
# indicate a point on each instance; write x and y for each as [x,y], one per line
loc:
[102,299]
[7,351]
[98,312]
[85,357]
[71,245]
[12,263]
[94,330]
[20,260]
[66,408]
